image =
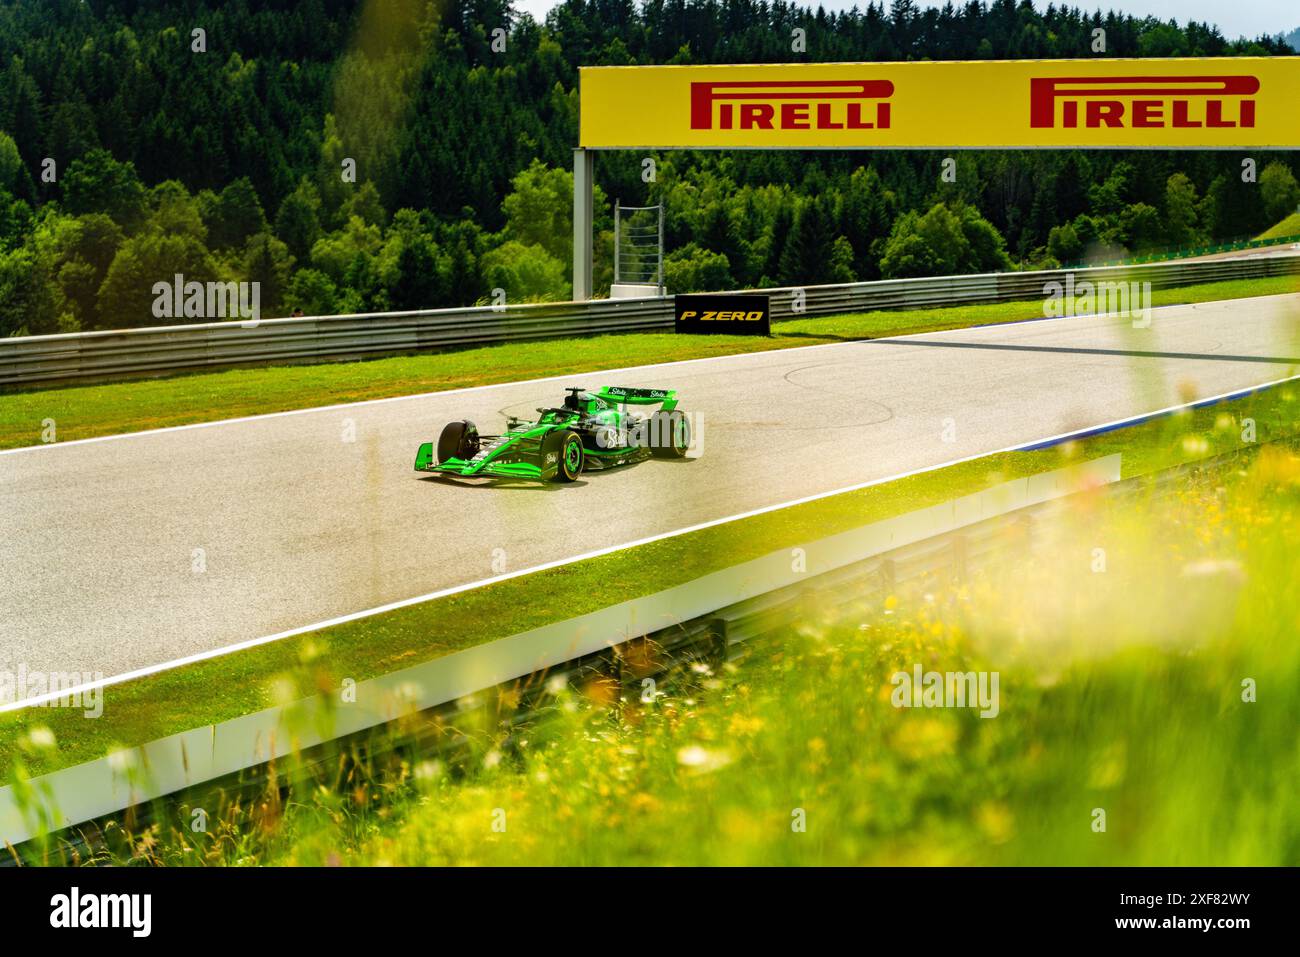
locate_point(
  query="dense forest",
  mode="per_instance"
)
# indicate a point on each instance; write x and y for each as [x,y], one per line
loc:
[139,140]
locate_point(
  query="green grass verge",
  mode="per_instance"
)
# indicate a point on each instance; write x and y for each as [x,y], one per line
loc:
[89,411]
[1136,707]
[1157,684]
[1288,227]
[223,688]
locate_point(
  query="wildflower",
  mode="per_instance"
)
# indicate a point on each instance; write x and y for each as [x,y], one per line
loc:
[1215,568]
[702,759]
[742,724]
[40,738]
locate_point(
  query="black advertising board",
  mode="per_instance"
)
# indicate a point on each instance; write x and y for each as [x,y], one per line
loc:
[733,315]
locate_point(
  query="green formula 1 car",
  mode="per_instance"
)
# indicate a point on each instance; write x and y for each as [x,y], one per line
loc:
[592,430]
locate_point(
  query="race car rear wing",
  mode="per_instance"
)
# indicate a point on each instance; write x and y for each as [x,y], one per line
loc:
[622,395]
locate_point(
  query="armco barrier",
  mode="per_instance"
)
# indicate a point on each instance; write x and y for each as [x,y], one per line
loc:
[139,774]
[100,356]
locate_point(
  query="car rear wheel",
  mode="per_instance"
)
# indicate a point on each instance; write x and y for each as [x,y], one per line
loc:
[458,440]
[567,448]
[670,434]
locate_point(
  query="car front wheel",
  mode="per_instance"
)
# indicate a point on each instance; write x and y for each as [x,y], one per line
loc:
[569,456]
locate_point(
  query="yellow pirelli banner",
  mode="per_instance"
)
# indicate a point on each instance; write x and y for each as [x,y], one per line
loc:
[1208,103]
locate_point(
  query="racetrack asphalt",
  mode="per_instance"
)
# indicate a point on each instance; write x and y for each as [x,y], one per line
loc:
[133,551]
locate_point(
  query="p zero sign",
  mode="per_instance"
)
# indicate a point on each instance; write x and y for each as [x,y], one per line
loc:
[1222,102]
[732,315]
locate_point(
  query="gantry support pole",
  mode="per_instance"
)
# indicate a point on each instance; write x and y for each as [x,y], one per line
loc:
[584,168]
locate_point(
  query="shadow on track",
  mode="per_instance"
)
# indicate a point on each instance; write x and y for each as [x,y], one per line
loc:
[503,483]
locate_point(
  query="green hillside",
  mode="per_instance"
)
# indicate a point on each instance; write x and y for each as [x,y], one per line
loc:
[389,154]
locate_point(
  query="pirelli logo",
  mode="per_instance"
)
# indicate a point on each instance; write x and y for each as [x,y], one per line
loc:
[1142,102]
[791,105]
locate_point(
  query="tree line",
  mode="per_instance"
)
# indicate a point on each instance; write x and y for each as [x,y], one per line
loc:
[398,154]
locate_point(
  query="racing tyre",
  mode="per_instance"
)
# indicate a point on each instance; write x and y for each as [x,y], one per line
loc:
[569,456]
[670,434]
[458,440]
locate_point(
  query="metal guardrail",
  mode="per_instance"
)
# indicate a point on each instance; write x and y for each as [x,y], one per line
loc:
[101,356]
